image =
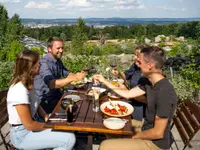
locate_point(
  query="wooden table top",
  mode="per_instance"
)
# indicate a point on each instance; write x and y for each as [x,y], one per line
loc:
[86,120]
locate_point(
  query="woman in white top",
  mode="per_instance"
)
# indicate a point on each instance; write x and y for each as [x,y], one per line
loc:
[25,132]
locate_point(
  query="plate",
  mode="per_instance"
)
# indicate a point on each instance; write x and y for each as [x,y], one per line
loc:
[111,95]
[99,89]
[114,123]
[128,106]
[75,98]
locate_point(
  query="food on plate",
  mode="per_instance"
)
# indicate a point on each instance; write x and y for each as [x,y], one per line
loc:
[112,110]
[77,82]
[115,83]
[93,92]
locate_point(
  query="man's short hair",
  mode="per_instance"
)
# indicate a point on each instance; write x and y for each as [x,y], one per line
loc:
[140,47]
[155,54]
[51,40]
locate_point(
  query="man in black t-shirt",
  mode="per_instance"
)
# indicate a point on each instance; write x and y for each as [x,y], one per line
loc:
[161,103]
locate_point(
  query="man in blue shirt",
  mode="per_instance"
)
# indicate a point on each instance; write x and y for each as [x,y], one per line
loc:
[53,76]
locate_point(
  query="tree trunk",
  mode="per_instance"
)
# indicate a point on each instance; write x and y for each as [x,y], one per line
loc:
[196,95]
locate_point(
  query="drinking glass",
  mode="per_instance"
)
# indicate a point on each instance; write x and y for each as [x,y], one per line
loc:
[95,102]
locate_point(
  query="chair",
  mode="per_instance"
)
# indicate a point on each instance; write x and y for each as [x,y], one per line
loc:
[4,120]
[187,122]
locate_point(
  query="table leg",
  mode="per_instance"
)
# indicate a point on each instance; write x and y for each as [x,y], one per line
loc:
[90,141]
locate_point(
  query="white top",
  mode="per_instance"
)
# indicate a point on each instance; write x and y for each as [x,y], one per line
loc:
[19,94]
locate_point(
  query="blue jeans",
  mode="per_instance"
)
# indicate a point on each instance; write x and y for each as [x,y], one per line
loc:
[29,140]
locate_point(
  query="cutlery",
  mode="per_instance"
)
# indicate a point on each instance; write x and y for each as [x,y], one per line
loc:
[114,107]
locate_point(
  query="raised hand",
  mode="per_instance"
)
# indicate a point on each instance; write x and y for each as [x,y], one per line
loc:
[80,75]
[99,77]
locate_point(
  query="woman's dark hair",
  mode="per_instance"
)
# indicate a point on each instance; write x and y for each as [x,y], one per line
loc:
[155,54]
[25,61]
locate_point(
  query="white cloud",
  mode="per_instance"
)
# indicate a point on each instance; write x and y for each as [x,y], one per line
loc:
[89,9]
[171,8]
[41,5]
[4,1]
[79,3]
[16,1]
[10,1]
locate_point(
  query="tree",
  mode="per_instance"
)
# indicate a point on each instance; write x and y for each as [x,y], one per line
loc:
[191,72]
[3,25]
[14,29]
[14,48]
[79,38]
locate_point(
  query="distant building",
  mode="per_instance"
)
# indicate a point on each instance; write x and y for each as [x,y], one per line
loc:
[31,43]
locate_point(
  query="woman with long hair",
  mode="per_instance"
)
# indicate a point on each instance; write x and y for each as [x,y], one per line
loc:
[25,132]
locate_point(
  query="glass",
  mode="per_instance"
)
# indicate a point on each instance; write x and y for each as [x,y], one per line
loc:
[70,113]
[95,102]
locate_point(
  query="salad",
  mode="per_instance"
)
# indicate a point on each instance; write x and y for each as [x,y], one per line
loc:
[116,110]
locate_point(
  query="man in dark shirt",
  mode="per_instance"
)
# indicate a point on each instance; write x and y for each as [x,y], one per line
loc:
[133,75]
[161,103]
[53,76]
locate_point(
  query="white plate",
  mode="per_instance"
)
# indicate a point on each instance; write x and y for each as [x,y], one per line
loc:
[113,96]
[74,97]
[114,123]
[101,90]
[129,107]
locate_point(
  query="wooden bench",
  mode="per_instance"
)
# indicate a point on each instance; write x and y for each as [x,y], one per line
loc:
[187,122]
[4,120]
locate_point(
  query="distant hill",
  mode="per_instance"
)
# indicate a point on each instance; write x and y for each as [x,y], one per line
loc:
[109,21]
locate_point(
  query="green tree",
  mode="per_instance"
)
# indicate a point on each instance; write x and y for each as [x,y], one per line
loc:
[79,38]
[15,47]
[14,29]
[191,72]
[3,25]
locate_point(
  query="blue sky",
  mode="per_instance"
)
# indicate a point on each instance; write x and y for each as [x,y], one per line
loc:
[103,8]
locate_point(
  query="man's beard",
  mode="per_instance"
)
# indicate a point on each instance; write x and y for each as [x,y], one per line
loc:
[57,56]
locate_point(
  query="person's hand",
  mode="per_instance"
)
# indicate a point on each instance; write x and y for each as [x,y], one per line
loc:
[99,78]
[80,75]
[115,72]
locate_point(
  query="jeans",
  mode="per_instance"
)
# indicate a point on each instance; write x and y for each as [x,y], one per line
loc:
[29,140]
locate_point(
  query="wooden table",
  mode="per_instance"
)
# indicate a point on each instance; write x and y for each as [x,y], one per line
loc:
[86,120]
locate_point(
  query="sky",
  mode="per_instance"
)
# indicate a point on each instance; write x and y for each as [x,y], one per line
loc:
[51,9]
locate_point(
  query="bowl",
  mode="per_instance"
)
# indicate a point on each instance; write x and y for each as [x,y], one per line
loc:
[114,123]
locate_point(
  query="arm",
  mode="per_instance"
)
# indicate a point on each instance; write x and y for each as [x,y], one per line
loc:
[135,92]
[59,83]
[49,78]
[157,132]
[23,111]
[41,112]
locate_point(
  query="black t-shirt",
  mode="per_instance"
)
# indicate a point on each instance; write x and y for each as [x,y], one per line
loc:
[161,101]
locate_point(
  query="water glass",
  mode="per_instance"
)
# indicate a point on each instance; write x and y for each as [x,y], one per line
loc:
[95,103]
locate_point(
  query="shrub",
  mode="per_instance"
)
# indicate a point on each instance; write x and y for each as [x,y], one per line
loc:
[6,69]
